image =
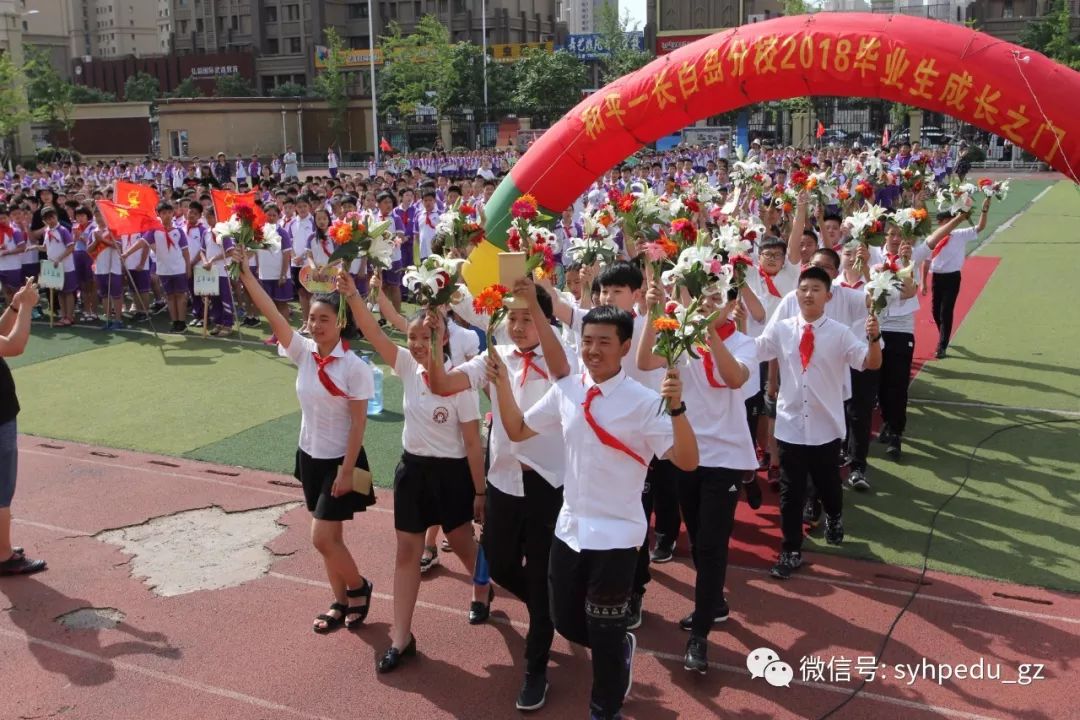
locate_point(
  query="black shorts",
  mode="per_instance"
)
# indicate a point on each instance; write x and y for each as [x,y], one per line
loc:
[317,476]
[432,491]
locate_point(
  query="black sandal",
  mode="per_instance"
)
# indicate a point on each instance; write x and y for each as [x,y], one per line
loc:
[331,621]
[361,610]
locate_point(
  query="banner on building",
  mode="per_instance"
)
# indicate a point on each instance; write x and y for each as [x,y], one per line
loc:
[591,46]
[670,43]
[357,57]
[512,52]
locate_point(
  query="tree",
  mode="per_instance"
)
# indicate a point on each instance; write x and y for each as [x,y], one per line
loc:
[187,88]
[141,87]
[1038,32]
[796,7]
[419,67]
[289,89]
[468,70]
[48,94]
[233,86]
[83,94]
[623,58]
[12,98]
[548,84]
[1062,46]
[331,85]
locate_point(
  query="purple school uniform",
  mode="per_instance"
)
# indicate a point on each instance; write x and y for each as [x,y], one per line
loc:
[397,268]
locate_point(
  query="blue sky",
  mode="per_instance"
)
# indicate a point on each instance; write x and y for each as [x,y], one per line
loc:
[636,8]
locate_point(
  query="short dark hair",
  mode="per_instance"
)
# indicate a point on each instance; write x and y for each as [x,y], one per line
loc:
[334,300]
[771,242]
[829,253]
[834,216]
[165,205]
[816,273]
[944,215]
[48,211]
[195,205]
[622,321]
[84,211]
[621,274]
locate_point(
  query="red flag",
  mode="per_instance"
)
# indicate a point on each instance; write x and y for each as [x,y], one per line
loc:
[820,130]
[136,197]
[226,201]
[385,146]
[885,137]
[124,220]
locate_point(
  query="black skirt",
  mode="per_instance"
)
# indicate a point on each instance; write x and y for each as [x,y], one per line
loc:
[317,476]
[432,491]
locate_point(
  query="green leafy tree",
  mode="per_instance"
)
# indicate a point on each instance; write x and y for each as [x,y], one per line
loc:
[12,99]
[289,89]
[623,58]
[83,94]
[419,67]
[141,87]
[332,85]
[796,7]
[548,84]
[49,95]
[468,70]
[187,88]
[1063,45]
[1038,32]
[233,86]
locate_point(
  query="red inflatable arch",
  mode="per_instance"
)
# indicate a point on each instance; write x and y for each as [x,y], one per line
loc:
[997,86]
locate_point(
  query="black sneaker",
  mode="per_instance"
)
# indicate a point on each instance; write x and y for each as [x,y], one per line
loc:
[786,564]
[893,451]
[811,513]
[845,460]
[885,434]
[721,615]
[753,492]
[857,479]
[629,646]
[662,554]
[251,321]
[696,657]
[533,693]
[633,612]
[834,529]
[940,354]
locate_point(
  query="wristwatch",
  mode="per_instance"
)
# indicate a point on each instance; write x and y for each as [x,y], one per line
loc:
[678,411]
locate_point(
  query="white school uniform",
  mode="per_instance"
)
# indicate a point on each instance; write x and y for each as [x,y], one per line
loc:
[170,260]
[302,229]
[602,486]
[13,261]
[785,281]
[269,262]
[426,222]
[325,418]
[196,237]
[651,379]
[55,246]
[108,260]
[432,422]
[464,344]
[951,258]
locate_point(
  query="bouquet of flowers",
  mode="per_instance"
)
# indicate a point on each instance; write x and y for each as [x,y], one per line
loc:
[679,330]
[750,175]
[957,198]
[864,189]
[866,227]
[701,271]
[681,207]
[660,252]
[703,191]
[353,239]
[434,282]
[735,249]
[456,230]
[913,222]
[684,231]
[996,190]
[785,199]
[640,213]
[492,302]
[537,242]
[886,283]
[917,176]
[242,230]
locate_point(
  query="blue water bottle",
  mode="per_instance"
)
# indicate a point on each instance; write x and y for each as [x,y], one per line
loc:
[374,406]
[481,575]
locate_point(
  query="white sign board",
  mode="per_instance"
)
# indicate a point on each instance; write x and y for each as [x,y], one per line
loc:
[51,276]
[206,281]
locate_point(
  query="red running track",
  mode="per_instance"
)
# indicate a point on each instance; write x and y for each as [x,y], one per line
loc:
[247,651]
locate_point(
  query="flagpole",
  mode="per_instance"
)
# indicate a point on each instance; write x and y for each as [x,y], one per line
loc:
[374,99]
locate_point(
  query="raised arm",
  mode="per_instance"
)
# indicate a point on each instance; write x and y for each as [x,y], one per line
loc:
[365,321]
[684,449]
[982,216]
[513,419]
[278,324]
[732,372]
[443,382]
[646,359]
[794,254]
[386,308]
[939,234]
[554,353]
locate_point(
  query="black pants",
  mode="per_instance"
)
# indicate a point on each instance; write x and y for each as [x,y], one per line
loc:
[859,411]
[945,287]
[708,497]
[895,377]
[798,464]
[517,544]
[662,495]
[590,592]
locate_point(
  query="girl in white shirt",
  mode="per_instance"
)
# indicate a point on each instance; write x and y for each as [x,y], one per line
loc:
[440,479]
[333,386]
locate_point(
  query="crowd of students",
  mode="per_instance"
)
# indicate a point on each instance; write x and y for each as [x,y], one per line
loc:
[578,460]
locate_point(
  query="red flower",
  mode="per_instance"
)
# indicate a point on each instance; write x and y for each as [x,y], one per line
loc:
[467,209]
[626,203]
[245,214]
[692,205]
[685,228]
[985,182]
[740,259]
[525,207]
[513,240]
[442,279]
[613,196]
[799,178]
[865,189]
[671,308]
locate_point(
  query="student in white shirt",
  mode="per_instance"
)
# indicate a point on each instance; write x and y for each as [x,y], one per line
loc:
[108,272]
[427,219]
[60,248]
[440,479]
[274,265]
[302,231]
[813,352]
[709,495]
[948,253]
[198,233]
[171,251]
[333,386]
[610,427]
[524,480]
[12,248]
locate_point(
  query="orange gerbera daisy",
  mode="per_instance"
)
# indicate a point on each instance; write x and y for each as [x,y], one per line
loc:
[490,299]
[665,324]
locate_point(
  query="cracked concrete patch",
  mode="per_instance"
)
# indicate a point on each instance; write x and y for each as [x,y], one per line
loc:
[91,619]
[203,549]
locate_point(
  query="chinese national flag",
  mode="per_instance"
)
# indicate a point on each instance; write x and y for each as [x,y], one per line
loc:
[226,202]
[125,220]
[385,146]
[136,197]
[885,137]
[820,130]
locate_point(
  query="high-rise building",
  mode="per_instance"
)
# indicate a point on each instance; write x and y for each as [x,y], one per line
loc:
[583,16]
[670,24]
[284,33]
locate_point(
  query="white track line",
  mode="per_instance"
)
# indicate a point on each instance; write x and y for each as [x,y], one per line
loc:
[170,678]
[991,406]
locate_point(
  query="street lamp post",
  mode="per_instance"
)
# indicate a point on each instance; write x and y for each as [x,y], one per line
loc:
[374,99]
[483,40]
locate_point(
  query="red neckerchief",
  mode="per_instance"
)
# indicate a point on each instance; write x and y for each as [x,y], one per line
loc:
[769,283]
[529,362]
[6,231]
[806,345]
[724,331]
[603,435]
[858,284]
[427,383]
[324,377]
[940,246]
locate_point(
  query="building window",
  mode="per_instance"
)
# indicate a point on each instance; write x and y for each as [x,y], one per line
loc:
[1007,10]
[183,27]
[292,12]
[198,25]
[271,13]
[178,143]
[294,45]
[272,47]
[235,22]
[358,42]
[358,12]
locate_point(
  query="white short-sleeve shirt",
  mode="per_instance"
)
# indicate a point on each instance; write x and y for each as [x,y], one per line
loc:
[325,418]
[432,422]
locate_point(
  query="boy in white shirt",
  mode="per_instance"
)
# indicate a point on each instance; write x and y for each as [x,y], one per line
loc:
[610,427]
[946,262]
[813,352]
[427,219]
